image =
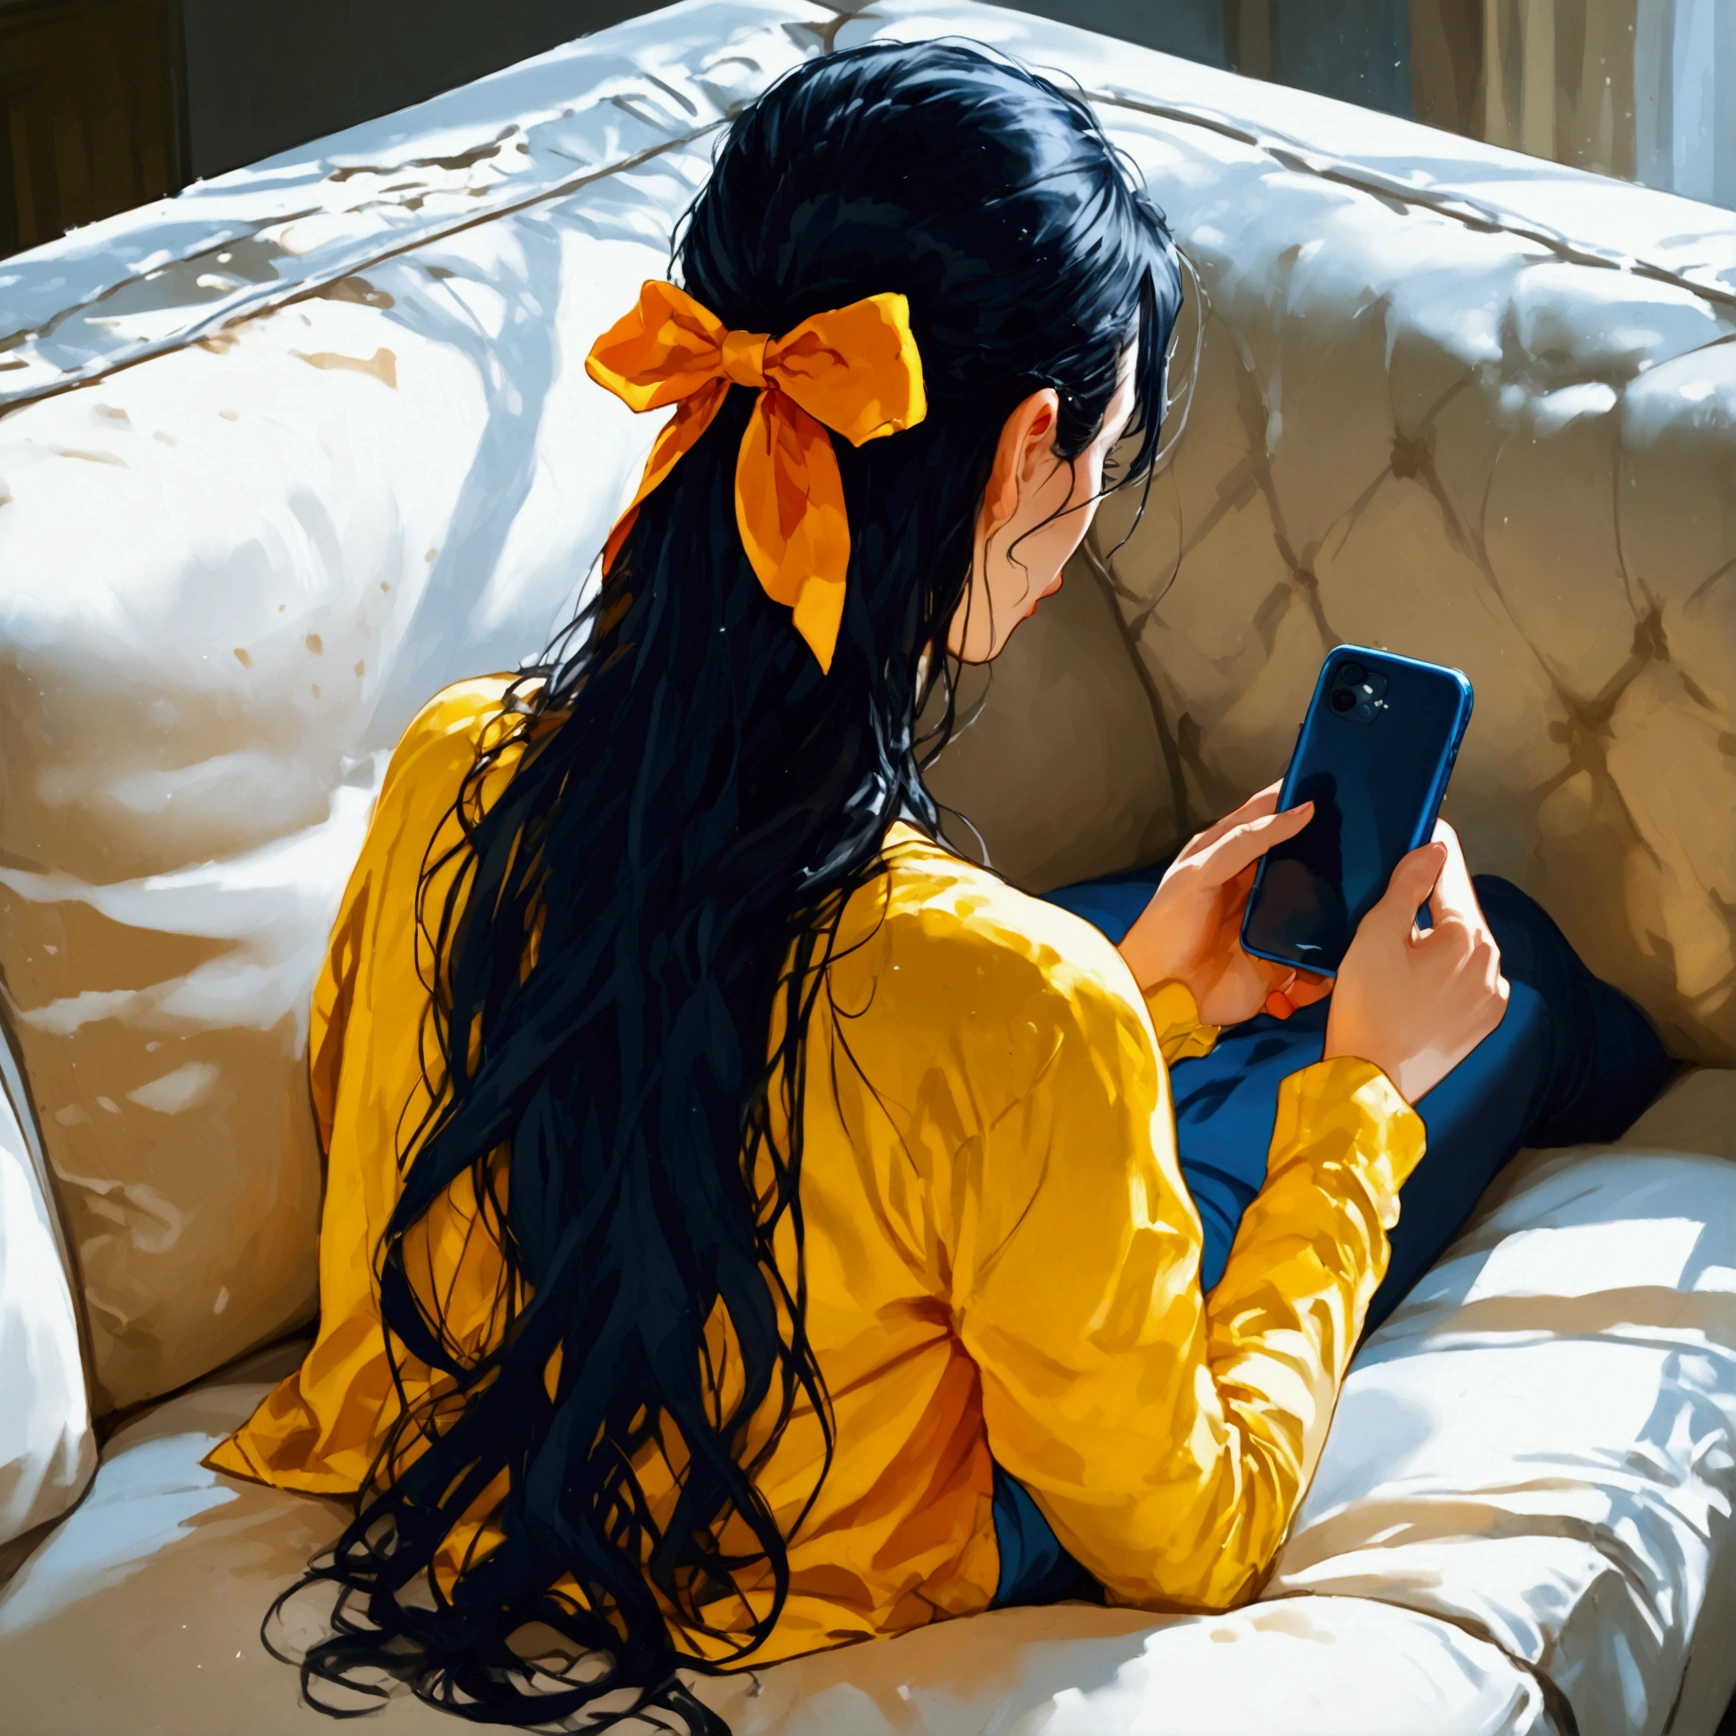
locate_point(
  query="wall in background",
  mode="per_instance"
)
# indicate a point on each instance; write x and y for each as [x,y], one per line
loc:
[1640,88]
[90,112]
[1357,50]
[265,75]
[1193,29]
[1685,98]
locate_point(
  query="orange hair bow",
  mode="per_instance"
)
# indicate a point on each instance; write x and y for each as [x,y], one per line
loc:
[854,370]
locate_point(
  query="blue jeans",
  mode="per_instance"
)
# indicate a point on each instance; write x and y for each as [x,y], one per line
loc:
[1572,1060]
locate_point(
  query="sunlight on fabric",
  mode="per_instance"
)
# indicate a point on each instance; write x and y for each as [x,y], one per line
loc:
[1310,1666]
[147,1499]
[1576,1259]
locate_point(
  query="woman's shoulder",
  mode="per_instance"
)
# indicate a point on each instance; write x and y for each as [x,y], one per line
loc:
[453,722]
[951,930]
[417,807]
[442,742]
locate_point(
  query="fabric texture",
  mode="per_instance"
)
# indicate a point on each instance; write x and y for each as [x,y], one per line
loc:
[1536,1444]
[1004,1094]
[1573,1060]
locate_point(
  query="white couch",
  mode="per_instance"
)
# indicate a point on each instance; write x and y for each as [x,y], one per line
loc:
[281,456]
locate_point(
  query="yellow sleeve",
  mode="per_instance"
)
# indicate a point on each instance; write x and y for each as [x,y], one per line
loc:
[1167,1436]
[1175,1018]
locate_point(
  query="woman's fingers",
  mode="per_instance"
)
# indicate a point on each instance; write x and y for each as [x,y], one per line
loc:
[1261,803]
[1288,989]
[1245,843]
[1412,882]
[1308,988]
[1453,895]
[1416,1005]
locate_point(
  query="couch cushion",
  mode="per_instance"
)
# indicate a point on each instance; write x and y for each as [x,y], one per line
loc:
[47,1447]
[173,1567]
[1537,1446]
[233,574]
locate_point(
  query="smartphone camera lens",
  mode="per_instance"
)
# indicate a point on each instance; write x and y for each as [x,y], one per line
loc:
[1342,699]
[1351,674]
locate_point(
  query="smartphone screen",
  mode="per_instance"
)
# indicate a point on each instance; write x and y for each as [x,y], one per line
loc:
[1374,754]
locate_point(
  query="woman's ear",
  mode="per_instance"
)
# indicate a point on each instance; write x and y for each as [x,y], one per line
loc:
[1027,439]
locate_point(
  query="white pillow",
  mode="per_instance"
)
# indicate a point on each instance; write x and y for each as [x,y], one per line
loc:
[47,1450]
[1537,1446]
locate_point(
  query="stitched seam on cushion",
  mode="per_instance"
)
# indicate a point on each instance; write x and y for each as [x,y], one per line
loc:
[1461,208]
[315,283]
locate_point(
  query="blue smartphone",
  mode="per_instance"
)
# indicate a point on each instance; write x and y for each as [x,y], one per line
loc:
[1374,754]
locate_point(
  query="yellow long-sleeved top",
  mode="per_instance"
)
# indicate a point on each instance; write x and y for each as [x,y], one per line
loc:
[1002,1257]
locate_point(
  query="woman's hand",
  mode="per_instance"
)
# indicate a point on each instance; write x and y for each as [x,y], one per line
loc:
[1190,932]
[1417,1004]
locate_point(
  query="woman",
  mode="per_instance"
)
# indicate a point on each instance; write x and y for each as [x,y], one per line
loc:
[751,1228]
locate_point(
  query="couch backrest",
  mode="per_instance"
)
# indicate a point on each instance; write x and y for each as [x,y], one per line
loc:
[321,442]
[1463,442]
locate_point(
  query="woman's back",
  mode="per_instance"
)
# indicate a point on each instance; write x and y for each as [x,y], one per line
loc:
[1000,1259]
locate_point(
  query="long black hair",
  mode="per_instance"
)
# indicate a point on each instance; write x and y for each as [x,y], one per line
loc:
[657,887]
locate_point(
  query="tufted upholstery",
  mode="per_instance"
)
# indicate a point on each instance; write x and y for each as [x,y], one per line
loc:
[1412,432]
[1438,418]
